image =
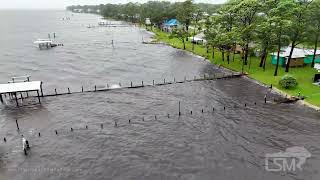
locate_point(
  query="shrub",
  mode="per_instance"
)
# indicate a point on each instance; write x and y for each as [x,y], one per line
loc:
[288,81]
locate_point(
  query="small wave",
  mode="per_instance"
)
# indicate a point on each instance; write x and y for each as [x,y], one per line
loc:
[115,86]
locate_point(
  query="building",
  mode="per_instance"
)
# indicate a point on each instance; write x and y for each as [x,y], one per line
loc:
[170,25]
[198,39]
[300,57]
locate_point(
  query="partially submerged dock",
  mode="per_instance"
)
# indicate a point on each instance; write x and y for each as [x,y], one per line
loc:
[19,85]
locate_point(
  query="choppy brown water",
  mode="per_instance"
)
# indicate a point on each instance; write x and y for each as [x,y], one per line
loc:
[224,144]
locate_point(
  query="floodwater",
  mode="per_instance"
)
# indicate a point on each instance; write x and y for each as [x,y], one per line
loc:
[217,143]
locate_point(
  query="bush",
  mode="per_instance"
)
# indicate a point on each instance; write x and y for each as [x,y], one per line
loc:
[288,81]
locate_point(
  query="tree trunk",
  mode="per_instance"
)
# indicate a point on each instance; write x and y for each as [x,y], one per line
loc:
[184,44]
[290,55]
[315,50]
[222,54]
[207,50]
[212,52]
[264,62]
[246,54]
[234,52]
[263,55]
[228,57]
[194,32]
[278,58]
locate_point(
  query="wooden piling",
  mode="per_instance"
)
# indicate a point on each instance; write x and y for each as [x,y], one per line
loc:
[153,82]
[179,108]
[71,129]
[164,81]
[131,83]
[81,88]
[15,96]
[86,126]
[1,99]
[95,88]
[39,134]
[201,110]
[191,112]
[168,115]
[41,89]
[17,125]
[38,97]
[142,83]
[55,90]
[4,139]
[56,132]
[101,126]
[68,90]
[155,117]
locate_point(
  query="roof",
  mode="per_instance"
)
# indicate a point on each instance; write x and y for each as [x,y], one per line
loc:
[171,22]
[40,41]
[297,52]
[20,87]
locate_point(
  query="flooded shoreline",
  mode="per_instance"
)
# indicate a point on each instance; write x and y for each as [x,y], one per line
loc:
[224,131]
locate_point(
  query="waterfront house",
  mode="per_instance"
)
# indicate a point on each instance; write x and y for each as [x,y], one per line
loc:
[170,25]
[300,57]
[198,39]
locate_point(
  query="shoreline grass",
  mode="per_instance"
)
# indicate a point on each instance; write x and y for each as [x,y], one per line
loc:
[304,75]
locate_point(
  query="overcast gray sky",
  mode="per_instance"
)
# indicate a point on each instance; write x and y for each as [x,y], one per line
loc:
[61,4]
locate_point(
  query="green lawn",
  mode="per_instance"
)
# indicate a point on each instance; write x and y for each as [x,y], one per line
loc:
[304,75]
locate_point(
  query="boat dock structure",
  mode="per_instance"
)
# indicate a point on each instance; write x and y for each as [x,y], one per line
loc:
[20,85]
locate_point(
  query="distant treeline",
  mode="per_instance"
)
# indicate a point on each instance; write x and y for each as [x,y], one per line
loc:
[135,12]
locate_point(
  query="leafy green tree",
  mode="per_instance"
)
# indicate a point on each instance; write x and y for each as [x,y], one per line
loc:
[246,15]
[279,23]
[198,15]
[297,18]
[181,34]
[211,32]
[314,26]
[185,13]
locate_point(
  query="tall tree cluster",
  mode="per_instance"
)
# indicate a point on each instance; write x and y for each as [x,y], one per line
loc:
[267,26]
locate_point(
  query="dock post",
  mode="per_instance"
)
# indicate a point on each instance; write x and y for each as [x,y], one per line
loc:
[55,90]
[15,95]
[21,96]
[1,99]
[185,78]
[95,88]
[68,90]
[142,83]
[265,99]
[179,109]
[17,124]
[153,82]
[131,83]
[174,80]
[164,81]
[40,89]
[81,88]
[38,97]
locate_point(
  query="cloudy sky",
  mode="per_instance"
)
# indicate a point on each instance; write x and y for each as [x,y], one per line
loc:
[61,4]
